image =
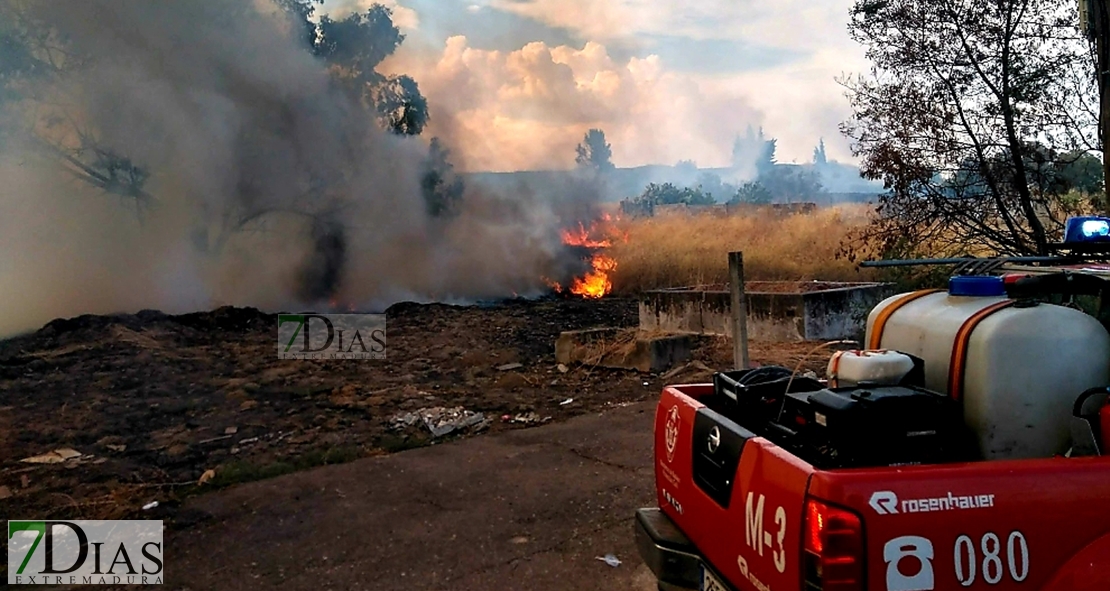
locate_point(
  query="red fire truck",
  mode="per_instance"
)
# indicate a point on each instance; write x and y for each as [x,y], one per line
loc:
[960,448]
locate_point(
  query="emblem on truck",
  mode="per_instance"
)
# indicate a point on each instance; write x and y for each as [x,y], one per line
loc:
[671,432]
[884,502]
[714,439]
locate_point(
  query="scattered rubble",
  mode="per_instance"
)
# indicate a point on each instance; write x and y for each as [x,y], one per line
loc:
[566,402]
[509,366]
[528,418]
[441,421]
[5,493]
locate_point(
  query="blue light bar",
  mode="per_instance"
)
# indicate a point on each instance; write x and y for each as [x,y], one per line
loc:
[1087,229]
[1092,228]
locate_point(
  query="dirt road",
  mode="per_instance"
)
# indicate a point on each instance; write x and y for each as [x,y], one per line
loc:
[526,509]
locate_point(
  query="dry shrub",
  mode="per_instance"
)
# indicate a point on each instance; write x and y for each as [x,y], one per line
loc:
[691,250]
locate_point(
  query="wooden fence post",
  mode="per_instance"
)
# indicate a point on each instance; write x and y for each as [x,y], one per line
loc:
[739,309]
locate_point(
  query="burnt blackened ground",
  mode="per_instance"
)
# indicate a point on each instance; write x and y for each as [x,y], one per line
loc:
[155,402]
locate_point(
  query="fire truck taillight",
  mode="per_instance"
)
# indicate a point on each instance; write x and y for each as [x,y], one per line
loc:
[833,548]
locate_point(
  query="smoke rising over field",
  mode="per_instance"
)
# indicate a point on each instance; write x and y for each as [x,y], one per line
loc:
[229,168]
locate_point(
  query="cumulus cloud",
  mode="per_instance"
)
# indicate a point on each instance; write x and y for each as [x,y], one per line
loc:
[528,108]
[652,111]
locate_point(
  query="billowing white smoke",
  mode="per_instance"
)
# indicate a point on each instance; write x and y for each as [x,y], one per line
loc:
[269,187]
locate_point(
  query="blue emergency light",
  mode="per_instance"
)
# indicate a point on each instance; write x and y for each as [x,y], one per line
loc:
[1082,229]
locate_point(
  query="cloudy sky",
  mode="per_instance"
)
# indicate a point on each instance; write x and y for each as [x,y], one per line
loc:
[514,84]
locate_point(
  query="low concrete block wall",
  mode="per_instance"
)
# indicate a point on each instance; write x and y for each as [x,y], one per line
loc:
[777,311]
[622,348]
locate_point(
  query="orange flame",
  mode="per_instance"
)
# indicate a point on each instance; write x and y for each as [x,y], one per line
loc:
[596,283]
[581,237]
[598,236]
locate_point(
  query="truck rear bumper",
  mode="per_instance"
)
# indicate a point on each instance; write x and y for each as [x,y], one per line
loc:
[667,551]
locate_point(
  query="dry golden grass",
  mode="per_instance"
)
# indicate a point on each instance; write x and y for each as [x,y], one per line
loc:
[689,250]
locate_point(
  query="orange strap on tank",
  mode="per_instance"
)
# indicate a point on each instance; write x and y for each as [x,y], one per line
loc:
[959,348]
[877,328]
[834,373]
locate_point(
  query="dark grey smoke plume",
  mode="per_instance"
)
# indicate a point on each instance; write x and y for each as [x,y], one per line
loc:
[323,273]
[228,167]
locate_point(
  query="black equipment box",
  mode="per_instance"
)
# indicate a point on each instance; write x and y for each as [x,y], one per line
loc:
[755,397]
[885,426]
[866,425]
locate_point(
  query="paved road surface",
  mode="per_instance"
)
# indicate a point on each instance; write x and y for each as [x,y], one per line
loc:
[521,510]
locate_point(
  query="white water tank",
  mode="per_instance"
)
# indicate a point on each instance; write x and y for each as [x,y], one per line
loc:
[1023,366]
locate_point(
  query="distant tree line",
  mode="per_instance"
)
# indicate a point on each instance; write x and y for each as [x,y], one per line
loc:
[752,152]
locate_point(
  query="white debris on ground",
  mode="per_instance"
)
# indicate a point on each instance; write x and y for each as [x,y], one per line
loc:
[441,421]
[528,418]
[609,559]
[57,456]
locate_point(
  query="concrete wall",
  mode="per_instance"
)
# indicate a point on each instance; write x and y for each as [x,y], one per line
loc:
[842,313]
[836,311]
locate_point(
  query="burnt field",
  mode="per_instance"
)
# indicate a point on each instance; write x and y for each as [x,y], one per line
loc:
[162,407]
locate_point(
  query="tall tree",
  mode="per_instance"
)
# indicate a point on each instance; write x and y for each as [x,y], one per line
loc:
[355,46]
[819,156]
[1095,23]
[960,95]
[748,147]
[34,60]
[593,152]
[767,160]
[442,188]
